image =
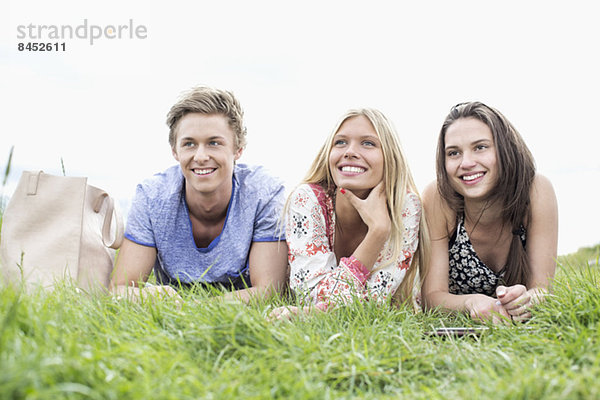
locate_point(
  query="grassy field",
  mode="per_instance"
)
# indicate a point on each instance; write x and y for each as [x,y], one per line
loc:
[69,345]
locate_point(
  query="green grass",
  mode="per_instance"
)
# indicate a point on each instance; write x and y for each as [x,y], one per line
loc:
[585,255]
[66,344]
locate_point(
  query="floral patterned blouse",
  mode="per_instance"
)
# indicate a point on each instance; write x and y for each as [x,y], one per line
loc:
[467,274]
[314,272]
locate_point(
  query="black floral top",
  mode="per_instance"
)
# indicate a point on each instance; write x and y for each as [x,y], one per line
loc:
[467,273]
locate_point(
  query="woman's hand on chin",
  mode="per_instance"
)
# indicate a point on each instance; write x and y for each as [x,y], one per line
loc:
[373,210]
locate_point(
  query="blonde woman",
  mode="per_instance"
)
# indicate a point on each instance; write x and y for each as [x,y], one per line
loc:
[353,225]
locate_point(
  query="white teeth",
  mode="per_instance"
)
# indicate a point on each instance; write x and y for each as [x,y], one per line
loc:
[356,170]
[472,177]
[203,171]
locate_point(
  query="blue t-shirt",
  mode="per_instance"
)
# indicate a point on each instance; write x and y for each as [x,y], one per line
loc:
[159,217]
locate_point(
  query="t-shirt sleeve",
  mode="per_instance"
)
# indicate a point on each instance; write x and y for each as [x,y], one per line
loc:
[266,223]
[139,225]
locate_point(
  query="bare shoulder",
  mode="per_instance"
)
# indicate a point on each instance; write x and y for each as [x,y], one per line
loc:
[544,206]
[440,217]
[430,192]
[433,201]
[542,192]
[541,185]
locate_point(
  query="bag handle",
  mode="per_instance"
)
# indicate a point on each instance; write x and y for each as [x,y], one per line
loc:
[106,226]
[32,183]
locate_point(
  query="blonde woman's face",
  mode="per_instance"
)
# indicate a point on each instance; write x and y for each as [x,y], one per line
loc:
[356,157]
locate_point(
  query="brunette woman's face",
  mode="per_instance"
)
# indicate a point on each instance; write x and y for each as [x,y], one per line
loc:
[356,158]
[470,158]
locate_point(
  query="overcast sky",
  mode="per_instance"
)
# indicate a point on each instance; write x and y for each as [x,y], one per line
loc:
[296,67]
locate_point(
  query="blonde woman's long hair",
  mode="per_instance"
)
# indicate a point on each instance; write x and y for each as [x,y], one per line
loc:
[398,181]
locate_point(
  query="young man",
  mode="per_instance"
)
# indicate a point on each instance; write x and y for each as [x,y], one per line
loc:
[207,219]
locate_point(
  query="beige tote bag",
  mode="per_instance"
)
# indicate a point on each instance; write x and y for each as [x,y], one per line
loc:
[59,227]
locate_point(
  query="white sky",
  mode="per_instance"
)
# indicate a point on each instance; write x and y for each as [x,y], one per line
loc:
[296,67]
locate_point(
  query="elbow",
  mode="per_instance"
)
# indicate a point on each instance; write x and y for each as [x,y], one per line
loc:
[429,299]
[271,287]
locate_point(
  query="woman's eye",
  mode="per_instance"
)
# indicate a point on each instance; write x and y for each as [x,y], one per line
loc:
[339,142]
[452,153]
[369,143]
[481,147]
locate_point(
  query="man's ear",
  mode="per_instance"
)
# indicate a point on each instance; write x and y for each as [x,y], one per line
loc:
[238,154]
[175,156]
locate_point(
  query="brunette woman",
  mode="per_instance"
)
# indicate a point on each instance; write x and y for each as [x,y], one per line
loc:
[493,220]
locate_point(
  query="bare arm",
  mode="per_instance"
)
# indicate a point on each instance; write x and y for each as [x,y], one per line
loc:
[542,242]
[435,286]
[542,233]
[134,264]
[268,267]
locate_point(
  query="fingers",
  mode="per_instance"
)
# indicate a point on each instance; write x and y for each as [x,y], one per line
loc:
[500,315]
[522,318]
[373,209]
[380,188]
[538,295]
[161,292]
[508,294]
[520,313]
[497,316]
[377,192]
[500,310]
[485,308]
[513,303]
[280,313]
[501,292]
[496,313]
[355,201]
[517,301]
[513,297]
[284,313]
[522,309]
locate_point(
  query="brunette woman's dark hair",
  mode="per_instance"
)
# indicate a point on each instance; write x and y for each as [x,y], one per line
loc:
[516,171]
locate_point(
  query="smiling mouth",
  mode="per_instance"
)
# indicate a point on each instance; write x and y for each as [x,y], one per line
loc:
[469,178]
[353,170]
[203,171]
